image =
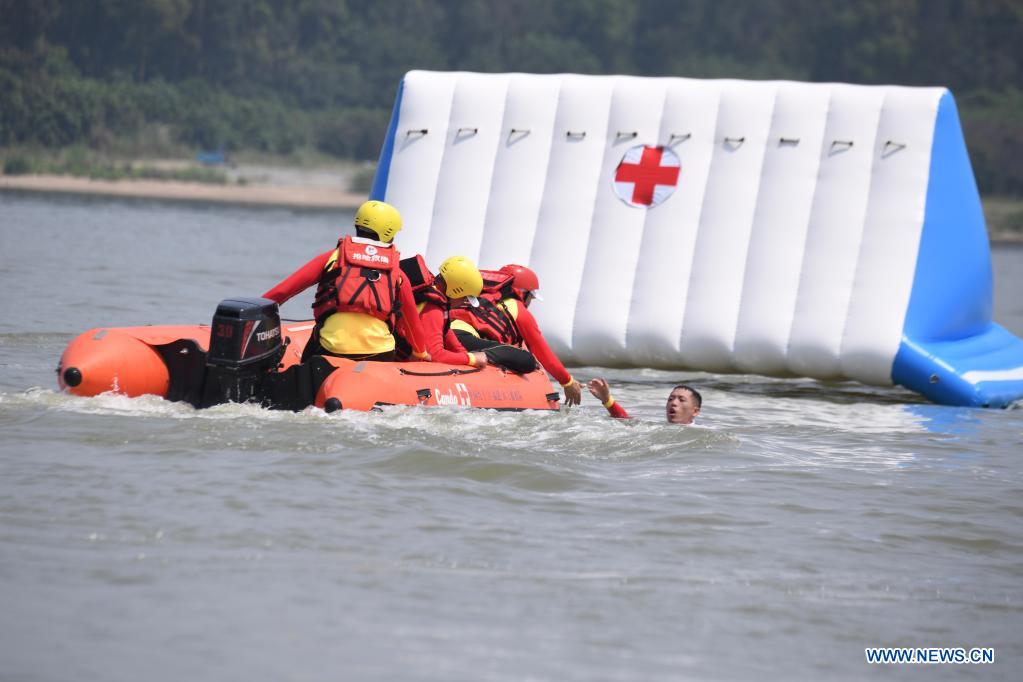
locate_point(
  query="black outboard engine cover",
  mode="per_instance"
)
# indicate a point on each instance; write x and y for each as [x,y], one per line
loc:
[246,332]
[245,346]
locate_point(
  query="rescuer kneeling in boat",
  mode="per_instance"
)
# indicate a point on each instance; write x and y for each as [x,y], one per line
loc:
[684,402]
[502,317]
[360,293]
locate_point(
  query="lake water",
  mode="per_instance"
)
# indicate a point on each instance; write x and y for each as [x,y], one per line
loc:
[145,540]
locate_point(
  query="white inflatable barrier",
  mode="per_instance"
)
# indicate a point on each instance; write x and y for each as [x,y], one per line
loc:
[779,228]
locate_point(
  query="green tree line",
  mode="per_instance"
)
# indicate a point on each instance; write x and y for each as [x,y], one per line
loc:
[280,76]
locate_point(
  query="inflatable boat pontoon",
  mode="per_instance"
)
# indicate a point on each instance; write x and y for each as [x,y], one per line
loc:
[247,355]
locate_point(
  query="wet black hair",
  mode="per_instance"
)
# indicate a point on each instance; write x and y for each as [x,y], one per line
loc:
[696,394]
[366,234]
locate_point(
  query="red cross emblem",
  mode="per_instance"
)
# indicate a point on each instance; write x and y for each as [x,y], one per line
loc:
[646,175]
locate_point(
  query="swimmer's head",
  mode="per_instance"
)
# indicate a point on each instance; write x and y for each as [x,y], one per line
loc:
[683,405]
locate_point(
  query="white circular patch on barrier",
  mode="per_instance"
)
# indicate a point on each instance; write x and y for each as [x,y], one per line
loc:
[646,175]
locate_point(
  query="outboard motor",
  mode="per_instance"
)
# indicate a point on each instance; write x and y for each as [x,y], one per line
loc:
[245,347]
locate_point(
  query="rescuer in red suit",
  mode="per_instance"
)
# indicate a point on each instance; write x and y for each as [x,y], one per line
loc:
[457,280]
[361,292]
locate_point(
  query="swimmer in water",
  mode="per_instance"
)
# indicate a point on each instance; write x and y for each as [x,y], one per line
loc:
[684,402]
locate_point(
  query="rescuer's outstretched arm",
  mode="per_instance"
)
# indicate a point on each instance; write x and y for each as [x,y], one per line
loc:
[537,344]
[300,280]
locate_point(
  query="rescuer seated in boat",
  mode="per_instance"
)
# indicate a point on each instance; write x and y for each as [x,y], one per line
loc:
[502,317]
[684,402]
[457,283]
[361,292]
[424,292]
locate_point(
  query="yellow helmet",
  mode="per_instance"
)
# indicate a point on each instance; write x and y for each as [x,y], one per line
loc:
[461,278]
[379,217]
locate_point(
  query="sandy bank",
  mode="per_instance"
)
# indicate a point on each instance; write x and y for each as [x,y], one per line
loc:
[269,186]
[310,196]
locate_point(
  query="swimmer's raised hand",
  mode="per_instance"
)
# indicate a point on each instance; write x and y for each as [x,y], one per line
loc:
[599,389]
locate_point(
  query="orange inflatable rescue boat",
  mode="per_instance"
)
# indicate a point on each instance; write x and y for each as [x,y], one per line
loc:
[247,355]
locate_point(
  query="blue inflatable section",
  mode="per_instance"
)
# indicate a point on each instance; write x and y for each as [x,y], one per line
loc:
[379,190]
[951,350]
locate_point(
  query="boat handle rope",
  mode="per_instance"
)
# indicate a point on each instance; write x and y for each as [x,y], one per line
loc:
[445,373]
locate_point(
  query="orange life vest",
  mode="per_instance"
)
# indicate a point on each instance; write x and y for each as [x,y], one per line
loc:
[491,318]
[363,278]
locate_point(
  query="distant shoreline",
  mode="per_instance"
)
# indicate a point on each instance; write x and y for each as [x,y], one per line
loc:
[318,196]
[288,196]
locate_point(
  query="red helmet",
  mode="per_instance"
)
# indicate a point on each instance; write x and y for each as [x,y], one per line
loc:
[524,280]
